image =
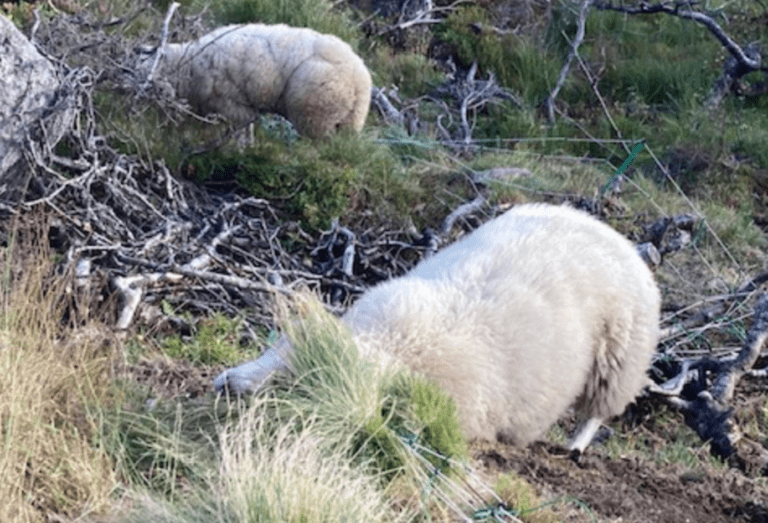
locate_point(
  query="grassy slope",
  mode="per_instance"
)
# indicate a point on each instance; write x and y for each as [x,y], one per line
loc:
[66,449]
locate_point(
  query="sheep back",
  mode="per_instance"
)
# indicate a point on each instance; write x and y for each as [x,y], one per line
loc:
[541,308]
[314,80]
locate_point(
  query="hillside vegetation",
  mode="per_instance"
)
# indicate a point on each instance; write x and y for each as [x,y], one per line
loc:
[100,425]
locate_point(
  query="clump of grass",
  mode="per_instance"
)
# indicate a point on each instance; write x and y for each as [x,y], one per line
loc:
[436,413]
[663,71]
[413,74]
[51,373]
[519,495]
[323,444]
[166,450]
[378,406]
[517,62]
[272,472]
[295,477]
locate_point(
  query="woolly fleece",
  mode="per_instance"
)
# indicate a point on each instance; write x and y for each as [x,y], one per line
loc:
[314,80]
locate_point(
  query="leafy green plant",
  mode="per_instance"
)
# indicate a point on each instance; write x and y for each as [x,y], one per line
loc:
[216,341]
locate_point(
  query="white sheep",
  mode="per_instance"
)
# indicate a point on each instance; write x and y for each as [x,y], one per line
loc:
[314,80]
[541,308]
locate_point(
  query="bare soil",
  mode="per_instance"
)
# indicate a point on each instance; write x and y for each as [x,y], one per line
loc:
[632,489]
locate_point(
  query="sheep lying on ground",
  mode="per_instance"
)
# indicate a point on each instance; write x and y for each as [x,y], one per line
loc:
[314,80]
[541,308]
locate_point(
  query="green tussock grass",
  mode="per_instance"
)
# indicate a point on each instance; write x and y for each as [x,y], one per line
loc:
[377,405]
[325,443]
[273,473]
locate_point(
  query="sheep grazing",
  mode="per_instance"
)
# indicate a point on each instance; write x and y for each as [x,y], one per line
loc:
[314,80]
[539,309]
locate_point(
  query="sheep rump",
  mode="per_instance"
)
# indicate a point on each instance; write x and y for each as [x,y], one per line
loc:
[314,80]
[539,309]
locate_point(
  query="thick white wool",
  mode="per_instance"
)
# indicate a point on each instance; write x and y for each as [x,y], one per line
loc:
[314,80]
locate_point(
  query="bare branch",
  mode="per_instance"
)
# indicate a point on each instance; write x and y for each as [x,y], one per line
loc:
[388,111]
[704,388]
[550,102]
[425,14]
[163,40]
[471,95]
[461,210]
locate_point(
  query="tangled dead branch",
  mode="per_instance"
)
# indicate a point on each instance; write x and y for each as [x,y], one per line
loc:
[419,12]
[470,96]
[162,240]
[703,388]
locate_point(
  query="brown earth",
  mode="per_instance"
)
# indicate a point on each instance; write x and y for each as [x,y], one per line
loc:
[632,489]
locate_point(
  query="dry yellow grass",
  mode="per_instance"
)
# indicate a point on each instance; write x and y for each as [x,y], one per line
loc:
[49,374]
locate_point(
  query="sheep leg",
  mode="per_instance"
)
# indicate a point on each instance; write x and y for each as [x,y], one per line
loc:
[584,434]
[248,377]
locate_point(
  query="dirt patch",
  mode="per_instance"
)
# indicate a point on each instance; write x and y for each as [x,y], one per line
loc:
[167,378]
[632,489]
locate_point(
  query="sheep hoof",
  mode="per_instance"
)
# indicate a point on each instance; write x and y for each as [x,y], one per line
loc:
[575,456]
